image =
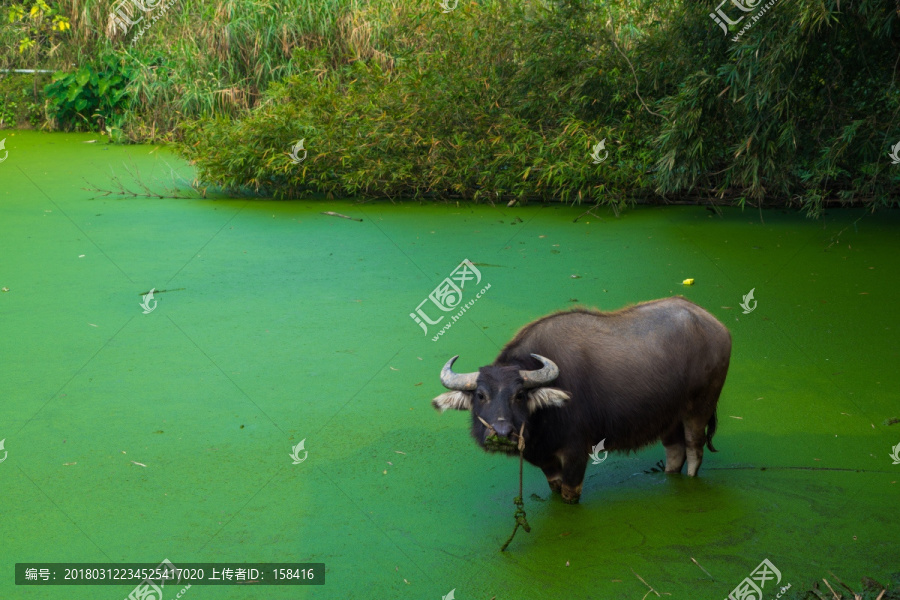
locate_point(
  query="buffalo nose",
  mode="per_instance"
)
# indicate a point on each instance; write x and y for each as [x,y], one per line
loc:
[503,428]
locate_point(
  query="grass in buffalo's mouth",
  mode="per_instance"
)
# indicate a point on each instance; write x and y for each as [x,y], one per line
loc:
[495,442]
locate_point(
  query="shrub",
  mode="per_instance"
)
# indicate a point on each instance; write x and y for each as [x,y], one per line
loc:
[505,99]
[92,98]
[451,116]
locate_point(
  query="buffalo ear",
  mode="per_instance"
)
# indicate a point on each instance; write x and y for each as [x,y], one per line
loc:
[456,400]
[544,397]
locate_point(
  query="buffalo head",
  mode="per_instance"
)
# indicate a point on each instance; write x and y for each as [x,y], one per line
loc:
[501,399]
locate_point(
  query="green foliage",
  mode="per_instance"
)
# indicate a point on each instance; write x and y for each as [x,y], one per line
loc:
[21,100]
[38,25]
[8,113]
[90,98]
[504,100]
[801,109]
[199,58]
[453,118]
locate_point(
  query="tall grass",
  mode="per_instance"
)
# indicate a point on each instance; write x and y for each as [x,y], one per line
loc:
[201,58]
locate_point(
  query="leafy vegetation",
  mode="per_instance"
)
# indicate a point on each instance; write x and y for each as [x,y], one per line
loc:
[88,94]
[500,100]
[37,24]
[21,100]
[803,110]
[505,100]
[448,109]
[197,59]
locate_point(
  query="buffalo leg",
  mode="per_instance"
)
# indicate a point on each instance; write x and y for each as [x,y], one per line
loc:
[675,449]
[552,469]
[573,468]
[554,478]
[694,437]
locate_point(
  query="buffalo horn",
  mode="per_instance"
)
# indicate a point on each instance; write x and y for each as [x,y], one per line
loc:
[458,381]
[541,376]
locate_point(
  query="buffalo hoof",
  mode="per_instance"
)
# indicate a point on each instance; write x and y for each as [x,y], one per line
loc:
[571,495]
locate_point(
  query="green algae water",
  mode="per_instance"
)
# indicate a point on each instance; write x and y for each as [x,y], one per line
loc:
[136,435]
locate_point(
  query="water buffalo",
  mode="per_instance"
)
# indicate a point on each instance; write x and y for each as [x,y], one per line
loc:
[630,377]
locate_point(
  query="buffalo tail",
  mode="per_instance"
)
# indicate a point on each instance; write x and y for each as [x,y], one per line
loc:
[711,430]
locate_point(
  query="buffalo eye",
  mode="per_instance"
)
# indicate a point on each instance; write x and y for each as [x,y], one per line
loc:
[479,395]
[520,396]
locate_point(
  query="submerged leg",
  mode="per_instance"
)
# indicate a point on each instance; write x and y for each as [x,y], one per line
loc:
[675,449]
[573,468]
[695,438]
[554,478]
[553,472]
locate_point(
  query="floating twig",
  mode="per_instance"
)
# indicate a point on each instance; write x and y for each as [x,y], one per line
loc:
[838,579]
[836,595]
[120,189]
[161,291]
[588,212]
[647,584]
[816,591]
[835,239]
[334,214]
[702,569]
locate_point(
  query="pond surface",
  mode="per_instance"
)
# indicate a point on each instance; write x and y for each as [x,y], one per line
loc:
[134,437]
